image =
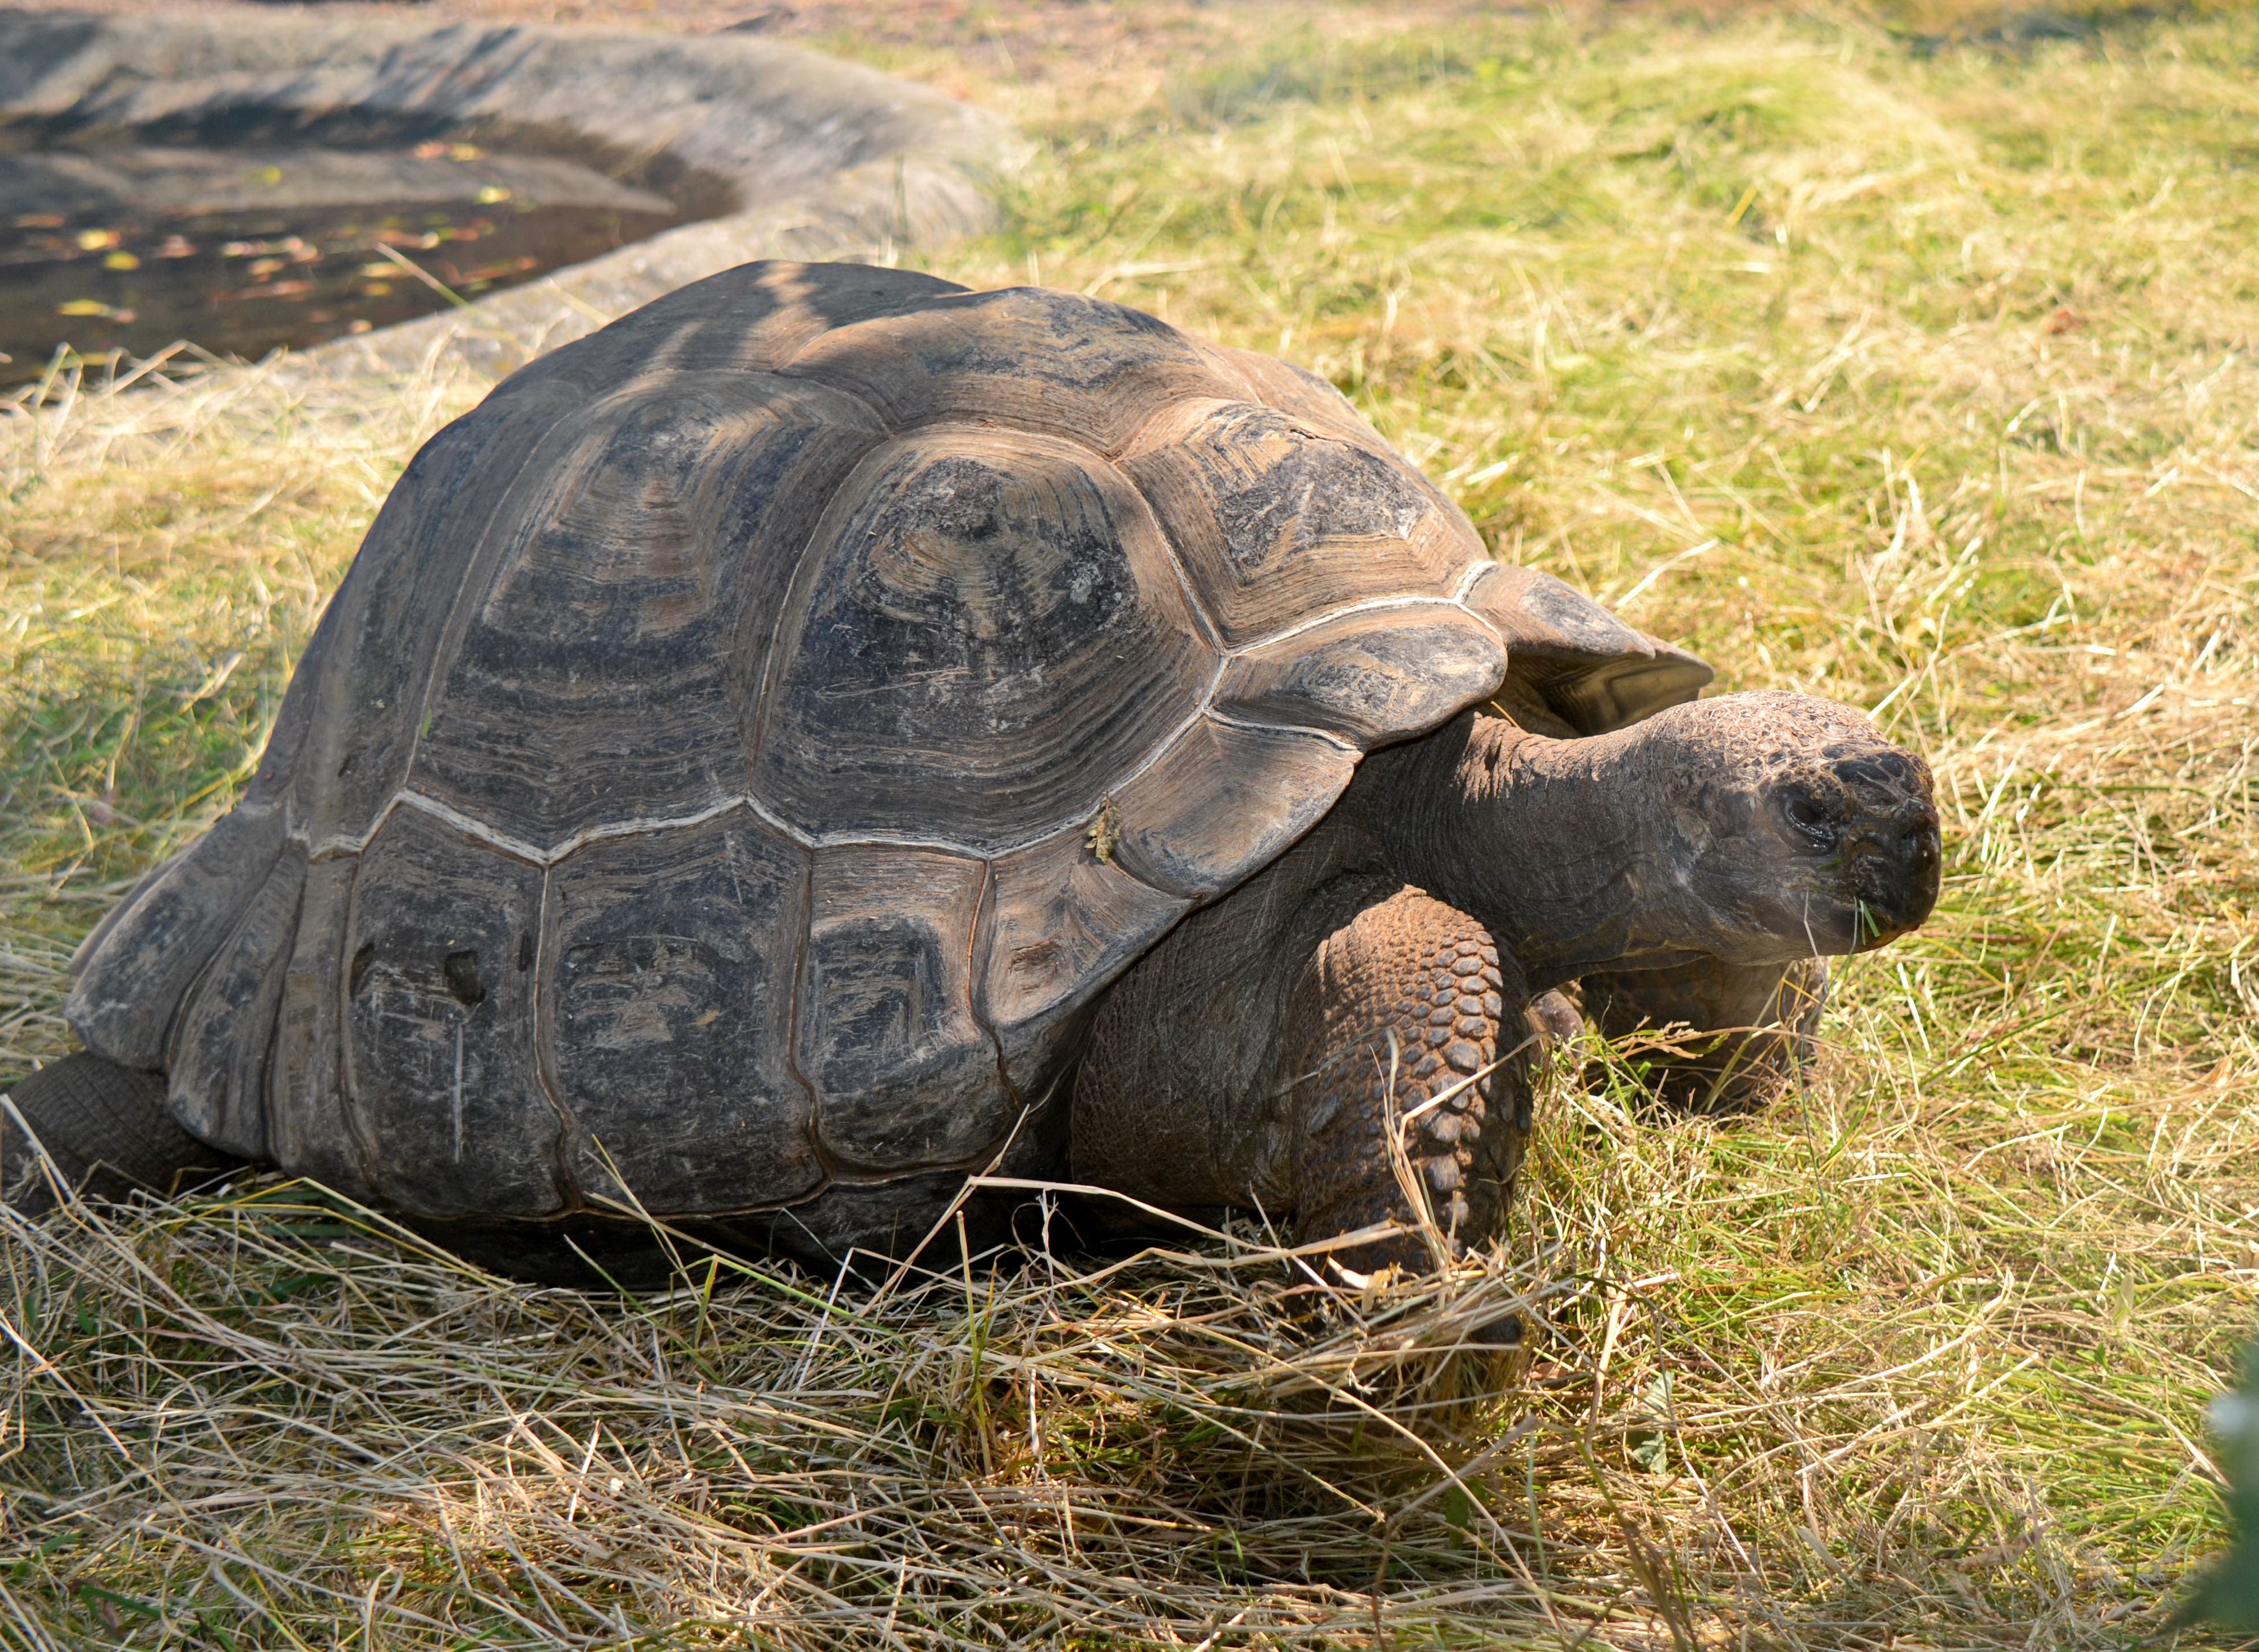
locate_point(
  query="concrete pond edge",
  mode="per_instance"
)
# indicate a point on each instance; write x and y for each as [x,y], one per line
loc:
[794,153]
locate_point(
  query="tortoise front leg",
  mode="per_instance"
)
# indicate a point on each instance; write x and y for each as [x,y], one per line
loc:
[1327,1049]
[1405,1060]
[1765,1017]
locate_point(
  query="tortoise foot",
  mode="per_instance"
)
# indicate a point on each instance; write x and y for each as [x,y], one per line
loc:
[106,1131]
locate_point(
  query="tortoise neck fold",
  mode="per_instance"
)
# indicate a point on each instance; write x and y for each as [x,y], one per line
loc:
[1557,846]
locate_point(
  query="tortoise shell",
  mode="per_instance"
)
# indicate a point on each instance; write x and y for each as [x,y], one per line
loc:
[747,742]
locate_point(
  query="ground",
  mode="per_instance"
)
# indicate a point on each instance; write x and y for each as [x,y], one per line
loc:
[1902,355]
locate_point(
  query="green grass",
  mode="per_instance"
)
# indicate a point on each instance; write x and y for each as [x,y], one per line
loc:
[1914,373]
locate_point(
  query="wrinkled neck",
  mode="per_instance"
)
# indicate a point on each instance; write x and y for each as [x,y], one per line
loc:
[1558,846]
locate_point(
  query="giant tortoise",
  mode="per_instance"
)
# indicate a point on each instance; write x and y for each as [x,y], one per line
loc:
[832,731]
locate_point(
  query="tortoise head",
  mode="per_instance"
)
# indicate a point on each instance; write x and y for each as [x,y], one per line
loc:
[1799,828]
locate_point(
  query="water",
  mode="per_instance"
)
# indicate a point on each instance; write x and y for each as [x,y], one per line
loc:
[240,251]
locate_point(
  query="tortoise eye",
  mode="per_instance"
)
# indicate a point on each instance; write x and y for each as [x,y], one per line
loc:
[1809,816]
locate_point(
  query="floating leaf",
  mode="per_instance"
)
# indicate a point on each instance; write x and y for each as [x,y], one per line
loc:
[95,241]
[121,260]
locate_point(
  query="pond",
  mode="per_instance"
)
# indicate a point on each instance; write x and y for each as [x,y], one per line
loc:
[240,249]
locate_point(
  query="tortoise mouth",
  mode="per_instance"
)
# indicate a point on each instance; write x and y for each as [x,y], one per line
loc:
[1893,889]
[1901,870]
[1867,830]
[1871,891]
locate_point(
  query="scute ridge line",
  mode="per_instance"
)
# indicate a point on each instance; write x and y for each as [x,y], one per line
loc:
[1375,605]
[455,627]
[566,1180]
[1355,751]
[638,826]
[753,722]
[949,846]
[341,845]
[1473,576]
[788,370]
[769,816]
[1490,625]
[495,837]
[471,826]
[1169,742]
[882,840]
[534,854]
[1203,621]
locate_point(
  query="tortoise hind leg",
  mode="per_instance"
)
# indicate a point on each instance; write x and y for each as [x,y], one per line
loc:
[105,1127]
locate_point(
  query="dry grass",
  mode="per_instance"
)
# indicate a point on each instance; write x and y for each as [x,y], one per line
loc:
[1919,378]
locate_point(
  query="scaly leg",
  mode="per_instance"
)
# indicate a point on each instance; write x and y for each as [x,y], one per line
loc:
[1406,1056]
[1245,1063]
[106,1128]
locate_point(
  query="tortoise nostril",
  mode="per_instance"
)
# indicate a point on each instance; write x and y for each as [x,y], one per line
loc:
[1917,839]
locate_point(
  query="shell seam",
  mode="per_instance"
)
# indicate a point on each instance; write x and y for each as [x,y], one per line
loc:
[534,854]
[537,855]
[754,723]
[1355,751]
[1378,605]
[447,645]
[342,845]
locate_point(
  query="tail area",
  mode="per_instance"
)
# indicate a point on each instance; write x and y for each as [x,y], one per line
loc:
[130,977]
[183,976]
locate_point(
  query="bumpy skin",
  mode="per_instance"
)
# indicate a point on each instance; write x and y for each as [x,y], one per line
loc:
[1752,829]
[1765,1017]
[1244,1063]
[1685,868]
[1271,1089]
[1414,993]
[105,1129]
